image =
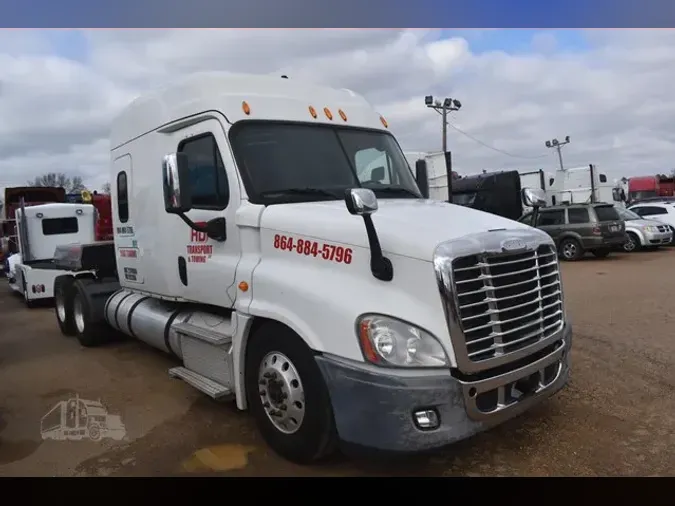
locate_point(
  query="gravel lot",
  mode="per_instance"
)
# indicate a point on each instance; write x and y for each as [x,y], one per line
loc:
[616,417]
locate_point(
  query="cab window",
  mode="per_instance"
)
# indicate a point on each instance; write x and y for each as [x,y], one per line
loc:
[207,172]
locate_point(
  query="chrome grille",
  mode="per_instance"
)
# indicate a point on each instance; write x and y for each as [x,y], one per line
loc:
[507,301]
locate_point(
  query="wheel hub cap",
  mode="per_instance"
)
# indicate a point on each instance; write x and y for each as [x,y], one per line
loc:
[60,307]
[281,392]
[78,314]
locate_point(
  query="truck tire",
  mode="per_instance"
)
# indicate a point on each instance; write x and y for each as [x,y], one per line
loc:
[288,397]
[632,243]
[571,250]
[63,304]
[30,304]
[89,330]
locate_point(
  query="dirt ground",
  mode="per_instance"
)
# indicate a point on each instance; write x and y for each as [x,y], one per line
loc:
[616,417]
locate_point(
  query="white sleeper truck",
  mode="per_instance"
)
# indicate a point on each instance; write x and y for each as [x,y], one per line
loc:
[40,230]
[336,308]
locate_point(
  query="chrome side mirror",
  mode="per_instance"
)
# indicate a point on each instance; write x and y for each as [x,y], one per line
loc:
[175,176]
[533,197]
[361,201]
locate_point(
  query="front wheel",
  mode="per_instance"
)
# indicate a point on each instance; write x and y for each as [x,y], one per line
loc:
[632,243]
[288,397]
[571,250]
[29,303]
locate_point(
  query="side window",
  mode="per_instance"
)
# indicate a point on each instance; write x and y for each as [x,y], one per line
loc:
[551,218]
[372,165]
[207,172]
[122,197]
[649,210]
[578,215]
[603,178]
[527,219]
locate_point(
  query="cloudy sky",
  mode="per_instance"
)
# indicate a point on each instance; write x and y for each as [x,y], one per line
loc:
[609,90]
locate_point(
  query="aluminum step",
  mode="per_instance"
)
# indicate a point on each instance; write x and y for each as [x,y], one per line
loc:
[209,336]
[202,383]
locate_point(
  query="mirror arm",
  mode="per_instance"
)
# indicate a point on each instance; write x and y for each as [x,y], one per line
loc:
[214,229]
[380,266]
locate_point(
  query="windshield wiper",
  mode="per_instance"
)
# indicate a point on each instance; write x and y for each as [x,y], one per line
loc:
[393,190]
[302,191]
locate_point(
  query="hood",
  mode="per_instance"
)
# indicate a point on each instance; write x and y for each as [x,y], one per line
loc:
[407,227]
[643,223]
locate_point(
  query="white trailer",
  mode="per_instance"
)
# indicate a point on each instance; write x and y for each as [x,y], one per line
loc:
[338,309]
[40,230]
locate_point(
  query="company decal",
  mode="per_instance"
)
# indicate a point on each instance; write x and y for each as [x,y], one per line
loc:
[128,252]
[124,231]
[130,274]
[198,250]
[314,249]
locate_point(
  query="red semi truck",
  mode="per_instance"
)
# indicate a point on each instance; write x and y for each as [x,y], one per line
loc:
[644,187]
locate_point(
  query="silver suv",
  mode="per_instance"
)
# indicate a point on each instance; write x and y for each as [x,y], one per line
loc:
[642,233]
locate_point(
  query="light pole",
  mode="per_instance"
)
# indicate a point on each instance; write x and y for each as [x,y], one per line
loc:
[443,108]
[555,143]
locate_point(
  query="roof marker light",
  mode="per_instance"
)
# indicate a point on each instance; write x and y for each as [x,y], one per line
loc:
[384,122]
[327,112]
[342,114]
[245,107]
[312,111]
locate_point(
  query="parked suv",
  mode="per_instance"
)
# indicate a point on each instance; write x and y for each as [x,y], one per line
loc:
[643,233]
[578,228]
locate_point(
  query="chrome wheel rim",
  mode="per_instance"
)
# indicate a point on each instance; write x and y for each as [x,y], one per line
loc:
[629,245]
[60,307]
[569,250]
[78,314]
[281,392]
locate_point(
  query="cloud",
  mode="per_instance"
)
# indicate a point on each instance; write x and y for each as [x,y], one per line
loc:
[613,97]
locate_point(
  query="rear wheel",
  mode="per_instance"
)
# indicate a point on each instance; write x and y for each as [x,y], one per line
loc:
[632,243]
[90,329]
[288,397]
[571,250]
[63,305]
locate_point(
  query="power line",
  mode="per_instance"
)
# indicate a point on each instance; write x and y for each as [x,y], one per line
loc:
[493,148]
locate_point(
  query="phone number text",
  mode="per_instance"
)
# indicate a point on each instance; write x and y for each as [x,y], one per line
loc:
[314,249]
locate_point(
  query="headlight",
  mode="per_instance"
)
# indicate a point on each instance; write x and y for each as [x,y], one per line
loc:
[650,228]
[389,342]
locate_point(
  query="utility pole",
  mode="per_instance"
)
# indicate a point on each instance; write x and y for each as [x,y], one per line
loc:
[555,143]
[443,108]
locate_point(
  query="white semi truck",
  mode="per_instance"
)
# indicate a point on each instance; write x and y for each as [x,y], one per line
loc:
[40,229]
[337,309]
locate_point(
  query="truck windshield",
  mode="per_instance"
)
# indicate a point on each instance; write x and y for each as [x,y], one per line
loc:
[282,162]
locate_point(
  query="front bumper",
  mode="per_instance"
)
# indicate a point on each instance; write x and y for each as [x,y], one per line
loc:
[657,238]
[374,407]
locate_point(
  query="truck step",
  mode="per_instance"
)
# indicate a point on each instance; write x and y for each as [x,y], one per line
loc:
[209,336]
[202,383]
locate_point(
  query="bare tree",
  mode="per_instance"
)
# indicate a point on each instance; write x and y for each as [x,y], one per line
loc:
[71,185]
[105,188]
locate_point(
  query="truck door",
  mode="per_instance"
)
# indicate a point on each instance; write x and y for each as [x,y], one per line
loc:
[206,267]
